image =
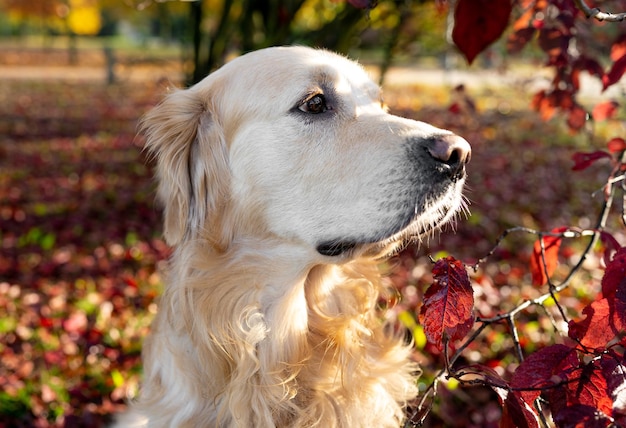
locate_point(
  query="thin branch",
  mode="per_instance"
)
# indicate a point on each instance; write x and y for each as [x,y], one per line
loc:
[509,317]
[598,14]
[518,346]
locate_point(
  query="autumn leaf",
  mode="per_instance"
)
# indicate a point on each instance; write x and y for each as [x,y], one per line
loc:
[615,73]
[517,414]
[520,38]
[616,145]
[543,103]
[592,393]
[553,41]
[580,416]
[615,274]
[490,375]
[447,312]
[614,371]
[590,389]
[618,47]
[604,110]
[601,324]
[544,263]
[541,369]
[490,16]
[578,330]
[84,17]
[547,103]
[589,65]
[577,118]
[584,160]
[611,246]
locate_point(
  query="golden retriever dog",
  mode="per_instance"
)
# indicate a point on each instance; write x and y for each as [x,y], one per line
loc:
[284,182]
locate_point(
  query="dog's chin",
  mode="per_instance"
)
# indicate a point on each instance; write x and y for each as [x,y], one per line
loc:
[414,227]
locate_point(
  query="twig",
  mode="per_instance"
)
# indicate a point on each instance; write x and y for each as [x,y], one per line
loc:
[598,14]
[518,346]
[509,317]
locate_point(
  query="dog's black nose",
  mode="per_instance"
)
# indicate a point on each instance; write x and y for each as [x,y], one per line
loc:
[452,150]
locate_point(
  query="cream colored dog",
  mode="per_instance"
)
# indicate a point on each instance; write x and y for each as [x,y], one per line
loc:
[284,182]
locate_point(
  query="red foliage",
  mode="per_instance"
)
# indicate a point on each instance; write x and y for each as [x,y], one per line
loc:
[583,383]
[599,327]
[584,160]
[447,313]
[616,145]
[615,73]
[604,110]
[490,16]
[558,23]
[545,257]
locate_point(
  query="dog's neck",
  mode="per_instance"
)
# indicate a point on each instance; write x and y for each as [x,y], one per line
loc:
[248,321]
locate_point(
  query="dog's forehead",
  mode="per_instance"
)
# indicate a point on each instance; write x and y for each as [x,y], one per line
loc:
[297,69]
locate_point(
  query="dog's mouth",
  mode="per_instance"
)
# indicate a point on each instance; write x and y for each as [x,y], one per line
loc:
[337,247]
[416,226]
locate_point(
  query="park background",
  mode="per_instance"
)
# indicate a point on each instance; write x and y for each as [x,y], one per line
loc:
[81,248]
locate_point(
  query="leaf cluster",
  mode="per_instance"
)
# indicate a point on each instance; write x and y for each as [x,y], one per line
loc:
[580,381]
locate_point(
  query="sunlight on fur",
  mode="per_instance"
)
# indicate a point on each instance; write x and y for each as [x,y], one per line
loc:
[281,196]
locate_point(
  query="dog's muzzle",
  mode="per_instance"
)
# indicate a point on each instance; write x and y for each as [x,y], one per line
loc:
[445,157]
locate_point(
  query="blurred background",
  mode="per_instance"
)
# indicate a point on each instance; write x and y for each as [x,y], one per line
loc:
[201,35]
[81,246]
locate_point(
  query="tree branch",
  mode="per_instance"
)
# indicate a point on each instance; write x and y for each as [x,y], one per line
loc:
[598,14]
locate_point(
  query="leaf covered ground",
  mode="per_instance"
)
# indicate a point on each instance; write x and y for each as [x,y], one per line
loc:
[81,243]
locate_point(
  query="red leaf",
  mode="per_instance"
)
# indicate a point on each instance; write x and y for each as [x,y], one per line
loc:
[618,47]
[615,274]
[447,312]
[604,110]
[541,103]
[590,65]
[543,369]
[590,389]
[610,246]
[584,160]
[614,371]
[454,108]
[131,282]
[490,375]
[519,39]
[615,73]
[516,413]
[546,263]
[526,19]
[600,326]
[616,145]
[546,103]
[479,23]
[577,118]
[553,41]
[46,322]
[580,416]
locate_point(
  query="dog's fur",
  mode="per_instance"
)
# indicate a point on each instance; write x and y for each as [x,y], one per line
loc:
[284,182]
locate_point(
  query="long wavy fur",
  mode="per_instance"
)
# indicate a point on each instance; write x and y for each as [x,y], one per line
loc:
[247,335]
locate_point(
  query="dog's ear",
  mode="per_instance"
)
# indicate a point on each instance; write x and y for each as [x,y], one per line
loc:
[184,136]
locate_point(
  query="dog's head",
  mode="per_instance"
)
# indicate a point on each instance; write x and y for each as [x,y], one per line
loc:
[294,144]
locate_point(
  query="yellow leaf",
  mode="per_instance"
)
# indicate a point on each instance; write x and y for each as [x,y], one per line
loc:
[118,379]
[84,18]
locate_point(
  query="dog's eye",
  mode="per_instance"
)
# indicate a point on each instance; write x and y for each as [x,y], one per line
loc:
[314,105]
